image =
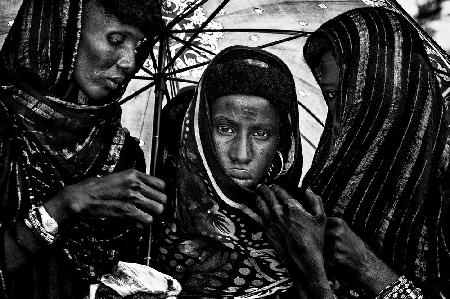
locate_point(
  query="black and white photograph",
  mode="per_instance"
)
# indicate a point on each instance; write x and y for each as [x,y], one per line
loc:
[170,149]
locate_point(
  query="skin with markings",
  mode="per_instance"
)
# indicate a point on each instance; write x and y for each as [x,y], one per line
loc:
[246,134]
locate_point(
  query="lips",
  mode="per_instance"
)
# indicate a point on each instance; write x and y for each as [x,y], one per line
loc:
[240,174]
[113,83]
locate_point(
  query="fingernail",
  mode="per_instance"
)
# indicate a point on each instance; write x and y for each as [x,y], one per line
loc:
[259,187]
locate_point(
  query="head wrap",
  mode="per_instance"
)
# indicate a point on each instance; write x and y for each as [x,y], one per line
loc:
[215,246]
[49,141]
[382,166]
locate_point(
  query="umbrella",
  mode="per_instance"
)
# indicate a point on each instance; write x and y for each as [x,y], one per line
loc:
[198,29]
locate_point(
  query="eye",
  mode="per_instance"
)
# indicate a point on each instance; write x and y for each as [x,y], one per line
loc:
[261,135]
[141,43]
[116,39]
[330,95]
[223,129]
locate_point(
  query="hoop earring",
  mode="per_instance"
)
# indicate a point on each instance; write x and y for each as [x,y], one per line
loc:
[271,172]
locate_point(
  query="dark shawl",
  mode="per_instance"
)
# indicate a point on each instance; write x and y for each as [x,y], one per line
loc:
[49,140]
[213,243]
[385,172]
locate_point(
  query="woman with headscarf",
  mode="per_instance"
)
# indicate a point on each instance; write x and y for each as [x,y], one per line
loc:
[381,164]
[239,135]
[72,193]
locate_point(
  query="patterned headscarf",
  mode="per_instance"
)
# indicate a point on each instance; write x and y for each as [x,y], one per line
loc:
[215,246]
[49,140]
[382,167]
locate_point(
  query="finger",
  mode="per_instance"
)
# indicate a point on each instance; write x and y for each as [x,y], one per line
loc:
[118,209]
[313,204]
[146,204]
[333,222]
[269,197]
[149,186]
[152,194]
[284,197]
[262,208]
[151,181]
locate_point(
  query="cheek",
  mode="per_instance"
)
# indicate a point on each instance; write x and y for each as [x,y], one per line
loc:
[221,149]
[265,155]
[95,56]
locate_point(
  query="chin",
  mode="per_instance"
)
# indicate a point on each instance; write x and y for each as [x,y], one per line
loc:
[97,95]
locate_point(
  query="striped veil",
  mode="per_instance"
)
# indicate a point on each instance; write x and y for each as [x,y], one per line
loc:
[383,168]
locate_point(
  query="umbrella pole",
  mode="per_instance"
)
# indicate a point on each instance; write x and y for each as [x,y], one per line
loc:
[160,87]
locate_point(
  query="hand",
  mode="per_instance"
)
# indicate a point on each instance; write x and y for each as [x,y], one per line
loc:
[347,254]
[128,194]
[297,234]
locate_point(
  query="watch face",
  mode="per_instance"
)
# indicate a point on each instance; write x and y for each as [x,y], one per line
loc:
[49,224]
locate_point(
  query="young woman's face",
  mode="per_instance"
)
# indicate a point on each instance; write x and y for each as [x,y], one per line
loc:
[106,53]
[246,133]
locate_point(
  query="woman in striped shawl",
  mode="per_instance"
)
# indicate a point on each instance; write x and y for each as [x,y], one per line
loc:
[71,194]
[381,164]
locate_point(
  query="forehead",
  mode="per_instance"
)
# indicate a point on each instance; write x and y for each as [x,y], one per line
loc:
[244,106]
[96,19]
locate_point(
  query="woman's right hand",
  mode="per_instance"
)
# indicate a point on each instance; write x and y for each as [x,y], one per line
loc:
[297,232]
[128,194]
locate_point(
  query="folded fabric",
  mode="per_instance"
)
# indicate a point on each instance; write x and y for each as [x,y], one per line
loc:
[130,278]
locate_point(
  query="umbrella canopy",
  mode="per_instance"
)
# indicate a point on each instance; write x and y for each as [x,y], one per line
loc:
[198,29]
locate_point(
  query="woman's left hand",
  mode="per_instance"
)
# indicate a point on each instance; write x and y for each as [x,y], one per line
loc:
[297,233]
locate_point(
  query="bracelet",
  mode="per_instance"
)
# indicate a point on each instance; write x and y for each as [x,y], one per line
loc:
[401,288]
[34,222]
[19,242]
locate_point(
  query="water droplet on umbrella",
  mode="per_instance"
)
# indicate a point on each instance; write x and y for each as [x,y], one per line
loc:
[259,11]
[321,5]
[10,23]
[254,38]
[302,93]
[302,23]
[141,142]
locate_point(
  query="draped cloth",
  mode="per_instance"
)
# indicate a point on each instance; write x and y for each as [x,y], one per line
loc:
[214,245]
[383,165]
[50,139]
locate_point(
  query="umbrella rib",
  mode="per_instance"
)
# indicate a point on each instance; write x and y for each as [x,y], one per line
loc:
[281,41]
[185,13]
[153,58]
[188,68]
[192,45]
[172,83]
[311,113]
[253,30]
[147,70]
[181,80]
[143,78]
[199,30]
[308,141]
[151,84]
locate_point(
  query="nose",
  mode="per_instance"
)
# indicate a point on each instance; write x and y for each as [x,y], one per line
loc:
[127,60]
[241,150]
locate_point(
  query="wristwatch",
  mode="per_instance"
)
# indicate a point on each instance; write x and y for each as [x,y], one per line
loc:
[48,223]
